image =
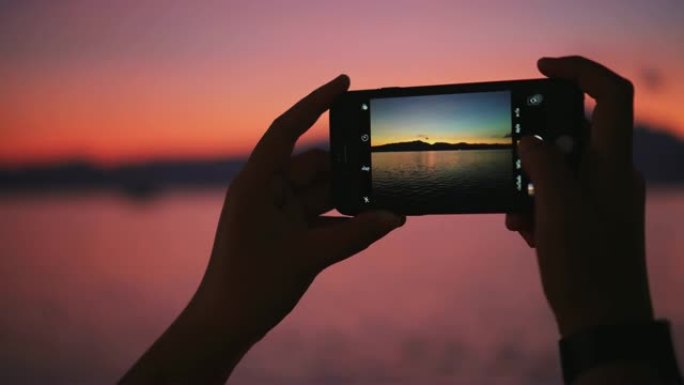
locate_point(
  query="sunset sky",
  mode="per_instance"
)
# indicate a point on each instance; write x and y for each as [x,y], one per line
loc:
[478,117]
[120,81]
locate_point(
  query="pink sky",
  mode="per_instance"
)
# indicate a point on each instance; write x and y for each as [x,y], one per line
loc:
[127,80]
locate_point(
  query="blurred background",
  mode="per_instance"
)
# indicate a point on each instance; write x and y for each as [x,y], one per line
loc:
[122,123]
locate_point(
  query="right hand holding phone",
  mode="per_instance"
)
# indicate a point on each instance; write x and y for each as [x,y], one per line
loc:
[588,227]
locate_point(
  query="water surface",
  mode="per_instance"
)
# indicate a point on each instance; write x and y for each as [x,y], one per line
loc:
[89,282]
[437,181]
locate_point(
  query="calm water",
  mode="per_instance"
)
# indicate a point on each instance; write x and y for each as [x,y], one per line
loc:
[442,180]
[89,282]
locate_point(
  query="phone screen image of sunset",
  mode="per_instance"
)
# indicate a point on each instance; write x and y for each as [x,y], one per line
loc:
[442,152]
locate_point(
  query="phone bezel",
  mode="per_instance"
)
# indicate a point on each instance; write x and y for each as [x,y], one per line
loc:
[563,114]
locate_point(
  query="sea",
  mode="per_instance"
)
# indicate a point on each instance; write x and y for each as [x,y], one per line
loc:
[89,281]
[439,181]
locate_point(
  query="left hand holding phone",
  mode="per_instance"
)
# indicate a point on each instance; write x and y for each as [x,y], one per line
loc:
[272,241]
[272,238]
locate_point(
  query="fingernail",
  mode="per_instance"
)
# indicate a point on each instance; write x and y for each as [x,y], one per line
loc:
[529,143]
[341,78]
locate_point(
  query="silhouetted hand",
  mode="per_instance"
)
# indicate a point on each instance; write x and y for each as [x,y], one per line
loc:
[270,244]
[588,228]
[272,240]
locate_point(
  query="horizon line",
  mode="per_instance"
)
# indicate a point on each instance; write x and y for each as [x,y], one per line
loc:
[141,159]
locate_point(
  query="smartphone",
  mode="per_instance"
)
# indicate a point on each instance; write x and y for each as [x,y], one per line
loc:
[447,149]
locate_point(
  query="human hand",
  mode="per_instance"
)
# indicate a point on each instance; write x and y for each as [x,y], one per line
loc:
[588,227]
[272,240]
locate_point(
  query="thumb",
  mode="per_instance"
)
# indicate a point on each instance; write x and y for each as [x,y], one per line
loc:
[332,244]
[549,172]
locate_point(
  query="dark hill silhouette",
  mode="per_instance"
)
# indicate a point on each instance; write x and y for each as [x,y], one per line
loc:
[136,180]
[659,156]
[419,145]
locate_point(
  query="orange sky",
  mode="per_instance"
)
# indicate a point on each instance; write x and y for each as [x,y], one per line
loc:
[129,80]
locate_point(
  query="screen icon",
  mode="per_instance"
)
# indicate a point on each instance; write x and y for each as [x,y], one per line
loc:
[364,137]
[535,100]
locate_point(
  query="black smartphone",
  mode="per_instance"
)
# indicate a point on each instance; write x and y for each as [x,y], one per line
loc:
[447,149]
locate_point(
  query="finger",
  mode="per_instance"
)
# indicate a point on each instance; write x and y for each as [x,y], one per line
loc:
[523,224]
[309,167]
[316,199]
[273,151]
[613,117]
[528,237]
[326,221]
[331,244]
[553,181]
[518,221]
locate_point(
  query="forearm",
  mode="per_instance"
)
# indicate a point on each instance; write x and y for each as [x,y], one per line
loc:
[199,347]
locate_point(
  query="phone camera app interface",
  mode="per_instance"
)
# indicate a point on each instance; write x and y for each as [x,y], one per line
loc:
[442,152]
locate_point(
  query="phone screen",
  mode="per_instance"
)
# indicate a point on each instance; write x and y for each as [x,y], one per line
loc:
[447,148]
[438,152]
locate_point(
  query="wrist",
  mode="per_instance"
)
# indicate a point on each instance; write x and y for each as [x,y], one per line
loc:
[199,347]
[610,301]
[227,323]
[579,318]
[628,353]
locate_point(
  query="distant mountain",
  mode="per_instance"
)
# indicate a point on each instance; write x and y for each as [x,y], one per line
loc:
[658,155]
[137,180]
[419,145]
